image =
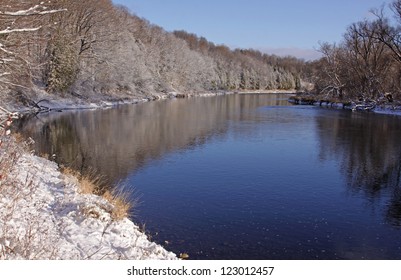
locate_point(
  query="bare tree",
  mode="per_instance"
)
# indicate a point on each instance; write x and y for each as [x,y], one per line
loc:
[331,78]
[387,34]
[365,65]
[368,59]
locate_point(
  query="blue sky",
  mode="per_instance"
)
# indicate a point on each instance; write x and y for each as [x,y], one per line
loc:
[275,26]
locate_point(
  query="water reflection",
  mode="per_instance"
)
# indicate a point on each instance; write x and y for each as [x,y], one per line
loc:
[116,142]
[367,148]
[248,170]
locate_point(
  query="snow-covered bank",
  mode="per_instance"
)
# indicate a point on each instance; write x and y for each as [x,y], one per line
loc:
[44,102]
[380,109]
[44,216]
[376,107]
[388,110]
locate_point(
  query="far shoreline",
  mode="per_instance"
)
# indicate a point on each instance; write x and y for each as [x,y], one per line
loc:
[51,103]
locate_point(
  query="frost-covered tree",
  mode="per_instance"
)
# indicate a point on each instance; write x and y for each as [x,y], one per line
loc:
[72,40]
[94,49]
[20,25]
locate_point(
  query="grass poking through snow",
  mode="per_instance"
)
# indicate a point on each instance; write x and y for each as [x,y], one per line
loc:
[120,197]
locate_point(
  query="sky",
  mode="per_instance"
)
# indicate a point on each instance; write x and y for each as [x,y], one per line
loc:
[282,27]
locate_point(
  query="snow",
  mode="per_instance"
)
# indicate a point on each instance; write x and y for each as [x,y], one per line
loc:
[23,12]
[389,110]
[45,217]
[8,30]
[35,10]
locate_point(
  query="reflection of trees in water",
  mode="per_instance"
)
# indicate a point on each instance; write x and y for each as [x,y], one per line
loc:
[48,139]
[116,142]
[393,213]
[368,148]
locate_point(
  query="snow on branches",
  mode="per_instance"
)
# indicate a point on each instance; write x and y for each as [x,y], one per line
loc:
[8,30]
[35,10]
[19,18]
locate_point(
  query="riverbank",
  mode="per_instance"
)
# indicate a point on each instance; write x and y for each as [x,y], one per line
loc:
[42,101]
[45,215]
[381,106]
[45,102]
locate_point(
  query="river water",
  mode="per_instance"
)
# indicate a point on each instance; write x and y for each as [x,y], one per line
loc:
[244,176]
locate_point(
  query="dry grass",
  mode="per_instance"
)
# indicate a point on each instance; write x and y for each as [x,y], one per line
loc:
[90,183]
[121,204]
[119,197]
[87,186]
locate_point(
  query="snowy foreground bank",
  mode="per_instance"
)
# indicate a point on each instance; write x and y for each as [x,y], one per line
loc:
[43,216]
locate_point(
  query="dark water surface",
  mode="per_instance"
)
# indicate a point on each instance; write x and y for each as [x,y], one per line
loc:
[245,176]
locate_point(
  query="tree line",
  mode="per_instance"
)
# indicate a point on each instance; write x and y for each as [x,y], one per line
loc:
[94,49]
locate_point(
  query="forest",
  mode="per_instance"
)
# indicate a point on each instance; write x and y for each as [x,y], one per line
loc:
[94,50]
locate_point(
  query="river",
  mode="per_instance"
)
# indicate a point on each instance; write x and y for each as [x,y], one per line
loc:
[243,176]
